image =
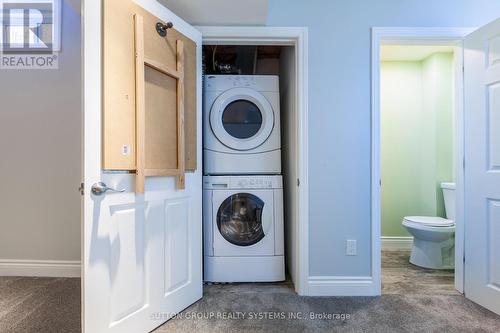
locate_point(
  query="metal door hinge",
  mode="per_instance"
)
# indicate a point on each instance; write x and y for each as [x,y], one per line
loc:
[298,182]
[82,188]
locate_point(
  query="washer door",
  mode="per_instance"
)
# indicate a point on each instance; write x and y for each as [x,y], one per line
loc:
[243,223]
[242,119]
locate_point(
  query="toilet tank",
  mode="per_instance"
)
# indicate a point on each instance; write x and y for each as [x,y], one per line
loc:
[449,199]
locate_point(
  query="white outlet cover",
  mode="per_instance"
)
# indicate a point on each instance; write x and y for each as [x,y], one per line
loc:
[126,150]
[351,247]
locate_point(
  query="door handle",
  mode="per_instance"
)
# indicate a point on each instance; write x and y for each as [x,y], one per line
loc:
[100,188]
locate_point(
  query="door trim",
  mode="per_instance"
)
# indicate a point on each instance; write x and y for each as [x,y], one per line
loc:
[286,36]
[410,35]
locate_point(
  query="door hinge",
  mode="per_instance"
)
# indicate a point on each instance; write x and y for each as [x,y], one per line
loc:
[298,182]
[463,259]
[82,188]
[463,163]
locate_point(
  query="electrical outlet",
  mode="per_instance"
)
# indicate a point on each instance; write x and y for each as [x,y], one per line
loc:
[351,247]
[126,150]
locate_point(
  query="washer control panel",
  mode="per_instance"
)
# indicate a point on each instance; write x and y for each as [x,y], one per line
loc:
[253,182]
[242,182]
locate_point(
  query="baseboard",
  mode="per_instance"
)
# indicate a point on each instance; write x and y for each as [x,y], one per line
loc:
[342,286]
[41,268]
[396,243]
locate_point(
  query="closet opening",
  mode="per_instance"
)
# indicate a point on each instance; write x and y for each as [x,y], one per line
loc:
[269,162]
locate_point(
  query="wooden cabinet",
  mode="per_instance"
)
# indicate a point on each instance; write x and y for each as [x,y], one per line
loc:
[149,110]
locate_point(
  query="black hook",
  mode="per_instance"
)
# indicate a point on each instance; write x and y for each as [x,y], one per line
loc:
[161,28]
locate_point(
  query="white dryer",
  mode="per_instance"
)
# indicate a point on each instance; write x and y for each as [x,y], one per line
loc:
[243,229]
[241,125]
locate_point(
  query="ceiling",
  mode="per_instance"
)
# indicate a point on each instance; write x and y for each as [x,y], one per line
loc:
[220,12]
[410,52]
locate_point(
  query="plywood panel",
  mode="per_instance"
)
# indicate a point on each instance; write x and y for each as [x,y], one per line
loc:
[140,105]
[159,113]
[161,120]
[119,116]
[167,55]
[118,86]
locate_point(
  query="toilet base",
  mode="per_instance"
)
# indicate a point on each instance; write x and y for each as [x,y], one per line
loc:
[433,255]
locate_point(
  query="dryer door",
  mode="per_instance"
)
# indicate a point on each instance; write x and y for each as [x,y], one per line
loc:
[242,119]
[243,223]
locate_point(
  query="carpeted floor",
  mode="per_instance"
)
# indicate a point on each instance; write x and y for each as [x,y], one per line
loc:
[388,313]
[414,300]
[39,305]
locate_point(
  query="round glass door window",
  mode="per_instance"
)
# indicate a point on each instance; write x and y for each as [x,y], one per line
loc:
[239,219]
[242,119]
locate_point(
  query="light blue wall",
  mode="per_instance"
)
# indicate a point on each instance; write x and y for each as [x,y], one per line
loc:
[339,110]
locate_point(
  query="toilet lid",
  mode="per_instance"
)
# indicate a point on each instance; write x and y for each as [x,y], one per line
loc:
[430,221]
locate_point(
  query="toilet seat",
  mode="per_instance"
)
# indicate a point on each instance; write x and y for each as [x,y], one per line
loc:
[428,221]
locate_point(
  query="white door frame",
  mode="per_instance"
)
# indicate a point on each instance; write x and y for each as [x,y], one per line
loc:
[297,37]
[417,36]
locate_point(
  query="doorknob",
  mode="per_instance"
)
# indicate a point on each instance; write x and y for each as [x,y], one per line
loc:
[100,188]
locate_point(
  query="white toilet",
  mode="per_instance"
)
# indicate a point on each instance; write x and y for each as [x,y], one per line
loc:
[434,237]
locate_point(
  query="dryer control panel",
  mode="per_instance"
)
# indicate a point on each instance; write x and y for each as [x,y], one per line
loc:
[242,182]
[269,83]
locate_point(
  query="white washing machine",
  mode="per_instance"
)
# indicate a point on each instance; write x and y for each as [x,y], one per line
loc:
[243,229]
[241,125]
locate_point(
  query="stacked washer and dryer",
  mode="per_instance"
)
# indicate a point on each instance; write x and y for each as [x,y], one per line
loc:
[243,219]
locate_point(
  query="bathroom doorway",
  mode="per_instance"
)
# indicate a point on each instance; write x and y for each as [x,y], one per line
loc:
[417,164]
[419,149]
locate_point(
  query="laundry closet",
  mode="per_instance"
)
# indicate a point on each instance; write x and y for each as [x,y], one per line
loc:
[248,161]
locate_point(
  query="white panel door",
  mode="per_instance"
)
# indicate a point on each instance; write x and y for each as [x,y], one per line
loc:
[482,166]
[141,252]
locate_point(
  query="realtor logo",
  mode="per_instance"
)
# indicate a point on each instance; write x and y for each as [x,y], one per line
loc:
[29,34]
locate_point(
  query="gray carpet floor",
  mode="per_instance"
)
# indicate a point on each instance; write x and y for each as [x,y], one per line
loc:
[39,305]
[388,313]
[413,300]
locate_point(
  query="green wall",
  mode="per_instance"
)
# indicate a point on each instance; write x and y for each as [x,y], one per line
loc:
[416,138]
